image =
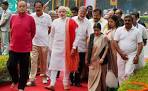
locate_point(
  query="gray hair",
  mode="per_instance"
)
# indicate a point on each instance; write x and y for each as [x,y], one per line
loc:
[52,12]
[82,8]
[62,8]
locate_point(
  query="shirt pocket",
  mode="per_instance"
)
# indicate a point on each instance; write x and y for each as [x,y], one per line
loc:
[123,36]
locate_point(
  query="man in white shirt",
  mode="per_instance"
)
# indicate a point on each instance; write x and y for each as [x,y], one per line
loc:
[128,43]
[97,18]
[4,24]
[85,30]
[40,43]
[143,32]
[140,27]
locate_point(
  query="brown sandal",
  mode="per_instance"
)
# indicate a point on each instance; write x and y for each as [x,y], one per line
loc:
[50,88]
[66,87]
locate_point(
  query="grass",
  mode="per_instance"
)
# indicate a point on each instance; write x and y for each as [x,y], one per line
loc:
[140,76]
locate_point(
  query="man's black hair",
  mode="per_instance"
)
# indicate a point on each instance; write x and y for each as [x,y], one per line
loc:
[38,1]
[75,9]
[98,10]
[5,3]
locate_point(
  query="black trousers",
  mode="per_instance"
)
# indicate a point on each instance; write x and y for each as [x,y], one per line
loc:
[19,60]
[76,76]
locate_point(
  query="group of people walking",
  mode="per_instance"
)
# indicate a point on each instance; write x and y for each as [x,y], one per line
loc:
[84,43]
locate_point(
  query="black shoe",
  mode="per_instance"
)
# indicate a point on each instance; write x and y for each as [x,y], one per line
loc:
[58,75]
[78,85]
[72,84]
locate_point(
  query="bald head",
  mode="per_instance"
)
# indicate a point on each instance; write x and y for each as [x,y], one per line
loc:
[22,7]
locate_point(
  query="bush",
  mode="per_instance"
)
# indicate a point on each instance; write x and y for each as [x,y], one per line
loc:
[145,19]
[4,75]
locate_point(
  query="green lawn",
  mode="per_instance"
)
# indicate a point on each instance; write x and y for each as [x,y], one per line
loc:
[140,76]
[145,19]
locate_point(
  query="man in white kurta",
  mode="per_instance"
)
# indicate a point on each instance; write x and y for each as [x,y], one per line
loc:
[143,32]
[85,30]
[57,47]
[128,43]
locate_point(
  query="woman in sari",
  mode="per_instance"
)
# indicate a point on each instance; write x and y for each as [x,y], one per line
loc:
[112,26]
[97,60]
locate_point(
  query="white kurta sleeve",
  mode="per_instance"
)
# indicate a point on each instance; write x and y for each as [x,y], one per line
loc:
[139,37]
[89,29]
[144,33]
[77,38]
[117,35]
[49,21]
[51,37]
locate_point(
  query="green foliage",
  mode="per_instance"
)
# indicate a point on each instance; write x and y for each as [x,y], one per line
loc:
[145,19]
[3,60]
[68,12]
[4,75]
[140,76]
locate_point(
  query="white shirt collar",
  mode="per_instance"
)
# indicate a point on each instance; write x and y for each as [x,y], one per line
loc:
[130,29]
[80,20]
[41,15]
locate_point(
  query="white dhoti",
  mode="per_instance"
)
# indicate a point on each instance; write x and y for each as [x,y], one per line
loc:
[141,61]
[125,67]
[57,46]
[54,75]
[48,63]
